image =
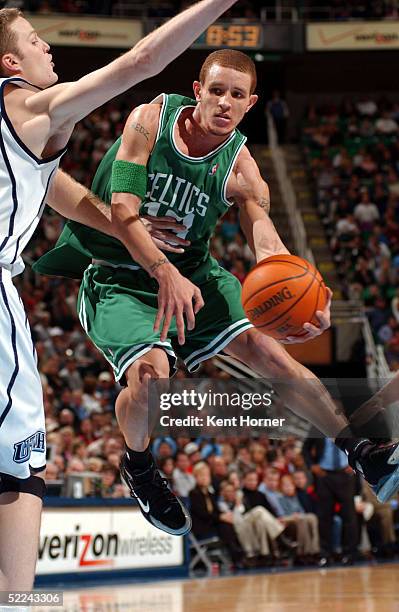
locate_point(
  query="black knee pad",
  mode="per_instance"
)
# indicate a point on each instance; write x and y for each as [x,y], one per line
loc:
[33,485]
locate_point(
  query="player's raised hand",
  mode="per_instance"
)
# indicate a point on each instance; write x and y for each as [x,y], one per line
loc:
[177,297]
[312,331]
[163,232]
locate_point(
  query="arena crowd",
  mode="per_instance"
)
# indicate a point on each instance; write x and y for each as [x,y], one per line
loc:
[352,153]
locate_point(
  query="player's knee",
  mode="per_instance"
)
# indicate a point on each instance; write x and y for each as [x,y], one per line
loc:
[140,374]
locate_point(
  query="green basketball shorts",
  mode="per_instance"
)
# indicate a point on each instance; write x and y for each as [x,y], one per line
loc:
[117,308]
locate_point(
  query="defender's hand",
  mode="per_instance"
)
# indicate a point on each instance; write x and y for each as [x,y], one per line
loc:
[312,331]
[163,232]
[176,296]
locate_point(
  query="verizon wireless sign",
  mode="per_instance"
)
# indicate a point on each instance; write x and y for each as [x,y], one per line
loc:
[75,540]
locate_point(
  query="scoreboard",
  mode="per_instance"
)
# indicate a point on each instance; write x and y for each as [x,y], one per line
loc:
[247,36]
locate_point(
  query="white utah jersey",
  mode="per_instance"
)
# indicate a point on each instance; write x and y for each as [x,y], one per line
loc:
[24,182]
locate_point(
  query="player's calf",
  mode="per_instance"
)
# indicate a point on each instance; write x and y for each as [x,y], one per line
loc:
[158,504]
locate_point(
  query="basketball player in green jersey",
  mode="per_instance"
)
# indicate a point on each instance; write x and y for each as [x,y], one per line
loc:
[196,166]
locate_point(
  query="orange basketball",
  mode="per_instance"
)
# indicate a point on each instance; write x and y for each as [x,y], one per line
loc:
[281,293]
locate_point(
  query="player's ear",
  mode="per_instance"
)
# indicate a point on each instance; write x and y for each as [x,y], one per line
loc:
[252,101]
[197,90]
[10,62]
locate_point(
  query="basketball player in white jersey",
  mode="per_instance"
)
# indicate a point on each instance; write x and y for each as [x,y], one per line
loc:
[36,121]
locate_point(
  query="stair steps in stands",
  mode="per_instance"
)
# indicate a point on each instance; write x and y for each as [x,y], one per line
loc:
[317,238]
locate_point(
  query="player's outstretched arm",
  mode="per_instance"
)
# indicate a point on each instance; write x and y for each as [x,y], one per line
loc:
[176,294]
[74,201]
[251,193]
[247,188]
[149,57]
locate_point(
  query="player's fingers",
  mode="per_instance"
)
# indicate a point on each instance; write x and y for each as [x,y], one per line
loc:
[160,314]
[295,339]
[180,327]
[165,246]
[324,319]
[189,314]
[198,300]
[329,296]
[166,324]
[164,222]
[311,329]
[171,237]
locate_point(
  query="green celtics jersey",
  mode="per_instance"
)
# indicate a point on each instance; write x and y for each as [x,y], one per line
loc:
[189,189]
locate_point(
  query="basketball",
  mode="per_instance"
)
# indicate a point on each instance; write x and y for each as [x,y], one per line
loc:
[281,293]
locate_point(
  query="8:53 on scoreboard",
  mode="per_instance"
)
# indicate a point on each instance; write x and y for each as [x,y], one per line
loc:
[238,36]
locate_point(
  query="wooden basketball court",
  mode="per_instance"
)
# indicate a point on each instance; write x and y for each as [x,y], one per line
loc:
[359,589]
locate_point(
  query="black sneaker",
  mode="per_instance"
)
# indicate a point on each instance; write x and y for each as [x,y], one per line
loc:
[157,503]
[379,465]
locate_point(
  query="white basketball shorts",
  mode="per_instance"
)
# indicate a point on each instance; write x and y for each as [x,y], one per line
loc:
[22,426]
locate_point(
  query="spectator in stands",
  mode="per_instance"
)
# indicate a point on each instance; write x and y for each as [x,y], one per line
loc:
[306,499]
[270,487]
[387,331]
[71,375]
[183,480]
[208,521]
[243,461]
[386,124]
[166,467]
[278,109]
[108,487]
[52,471]
[306,523]
[250,527]
[366,212]
[164,447]
[192,451]
[75,466]
[334,483]
[381,528]
[366,107]
[262,516]
[218,471]
[258,458]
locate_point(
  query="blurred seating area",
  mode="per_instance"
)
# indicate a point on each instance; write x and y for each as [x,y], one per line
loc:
[352,153]
[151,9]
[314,10]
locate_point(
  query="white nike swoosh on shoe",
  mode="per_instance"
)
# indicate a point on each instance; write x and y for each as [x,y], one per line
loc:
[145,507]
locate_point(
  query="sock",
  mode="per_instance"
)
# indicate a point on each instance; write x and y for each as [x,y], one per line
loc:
[138,460]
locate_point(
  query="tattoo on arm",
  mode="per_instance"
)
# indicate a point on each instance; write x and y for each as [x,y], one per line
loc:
[157,264]
[141,130]
[265,204]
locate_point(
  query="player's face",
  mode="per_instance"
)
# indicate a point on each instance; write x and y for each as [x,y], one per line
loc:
[223,99]
[34,61]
